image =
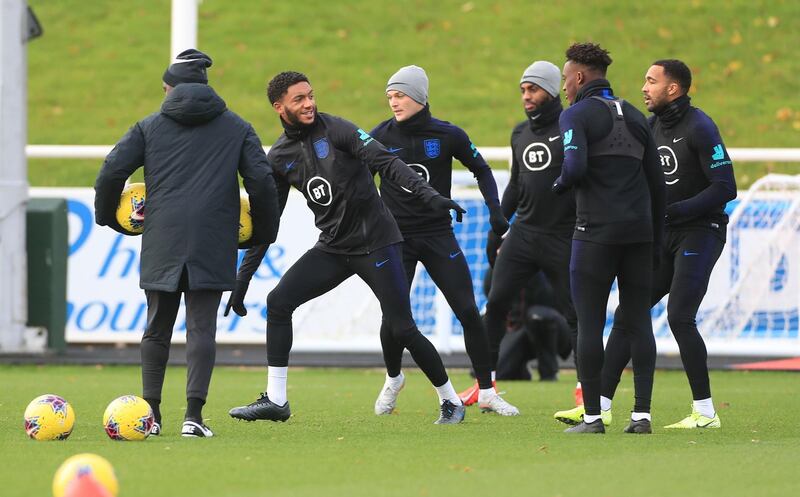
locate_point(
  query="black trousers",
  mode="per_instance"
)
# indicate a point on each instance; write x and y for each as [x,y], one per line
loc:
[318,272]
[447,266]
[523,254]
[592,270]
[201,331]
[687,261]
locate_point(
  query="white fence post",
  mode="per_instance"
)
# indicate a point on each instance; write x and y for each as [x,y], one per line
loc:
[13,176]
[184,26]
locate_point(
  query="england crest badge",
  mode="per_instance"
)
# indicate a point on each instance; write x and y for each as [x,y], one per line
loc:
[432,148]
[322,148]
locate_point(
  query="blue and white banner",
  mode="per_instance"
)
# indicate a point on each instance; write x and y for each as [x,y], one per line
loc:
[105,303]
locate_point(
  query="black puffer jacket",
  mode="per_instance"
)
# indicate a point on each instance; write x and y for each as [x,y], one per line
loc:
[191,152]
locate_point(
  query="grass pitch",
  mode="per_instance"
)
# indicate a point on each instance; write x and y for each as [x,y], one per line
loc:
[334,446]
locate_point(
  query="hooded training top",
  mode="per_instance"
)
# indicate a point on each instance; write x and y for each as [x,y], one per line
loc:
[191,152]
[332,163]
[428,145]
[697,169]
[619,199]
[537,155]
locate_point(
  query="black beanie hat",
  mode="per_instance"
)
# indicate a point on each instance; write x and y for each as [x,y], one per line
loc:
[189,67]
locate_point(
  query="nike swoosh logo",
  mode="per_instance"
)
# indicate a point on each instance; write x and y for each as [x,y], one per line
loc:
[553,138]
[379,264]
[686,252]
[393,150]
[454,254]
[290,165]
[676,140]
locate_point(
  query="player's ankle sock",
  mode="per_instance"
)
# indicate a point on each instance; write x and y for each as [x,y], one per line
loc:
[194,409]
[276,384]
[589,418]
[155,405]
[447,392]
[605,403]
[484,394]
[494,376]
[638,416]
[705,407]
[396,381]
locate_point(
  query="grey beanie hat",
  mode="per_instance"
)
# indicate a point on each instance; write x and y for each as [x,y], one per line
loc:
[543,74]
[412,81]
[189,67]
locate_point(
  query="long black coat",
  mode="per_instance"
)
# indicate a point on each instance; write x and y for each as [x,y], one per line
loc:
[191,152]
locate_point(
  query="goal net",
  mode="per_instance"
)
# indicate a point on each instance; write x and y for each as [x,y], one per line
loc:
[751,307]
[752,304]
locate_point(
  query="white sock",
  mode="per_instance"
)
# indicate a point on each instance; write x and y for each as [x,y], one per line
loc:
[494,375]
[484,394]
[638,416]
[588,418]
[447,392]
[605,403]
[705,407]
[276,384]
[395,382]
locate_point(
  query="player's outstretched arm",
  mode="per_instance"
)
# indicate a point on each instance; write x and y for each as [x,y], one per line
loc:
[125,158]
[359,143]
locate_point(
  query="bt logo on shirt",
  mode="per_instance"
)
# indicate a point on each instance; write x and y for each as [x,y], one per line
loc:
[422,171]
[537,156]
[319,191]
[669,163]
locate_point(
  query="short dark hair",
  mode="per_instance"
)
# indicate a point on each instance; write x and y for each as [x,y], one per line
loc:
[590,55]
[677,71]
[279,85]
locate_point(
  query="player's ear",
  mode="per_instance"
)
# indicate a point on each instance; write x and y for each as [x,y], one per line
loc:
[277,106]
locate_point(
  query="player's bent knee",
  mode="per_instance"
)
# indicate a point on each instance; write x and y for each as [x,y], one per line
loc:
[681,323]
[279,307]
[404,335]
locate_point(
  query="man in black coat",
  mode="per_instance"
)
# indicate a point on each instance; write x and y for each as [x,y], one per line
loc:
[332,162]
[191,152]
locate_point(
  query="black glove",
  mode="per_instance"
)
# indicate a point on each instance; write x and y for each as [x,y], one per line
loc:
[498,220]
[236,300]
[443,203]
[493,242]
[558,188]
